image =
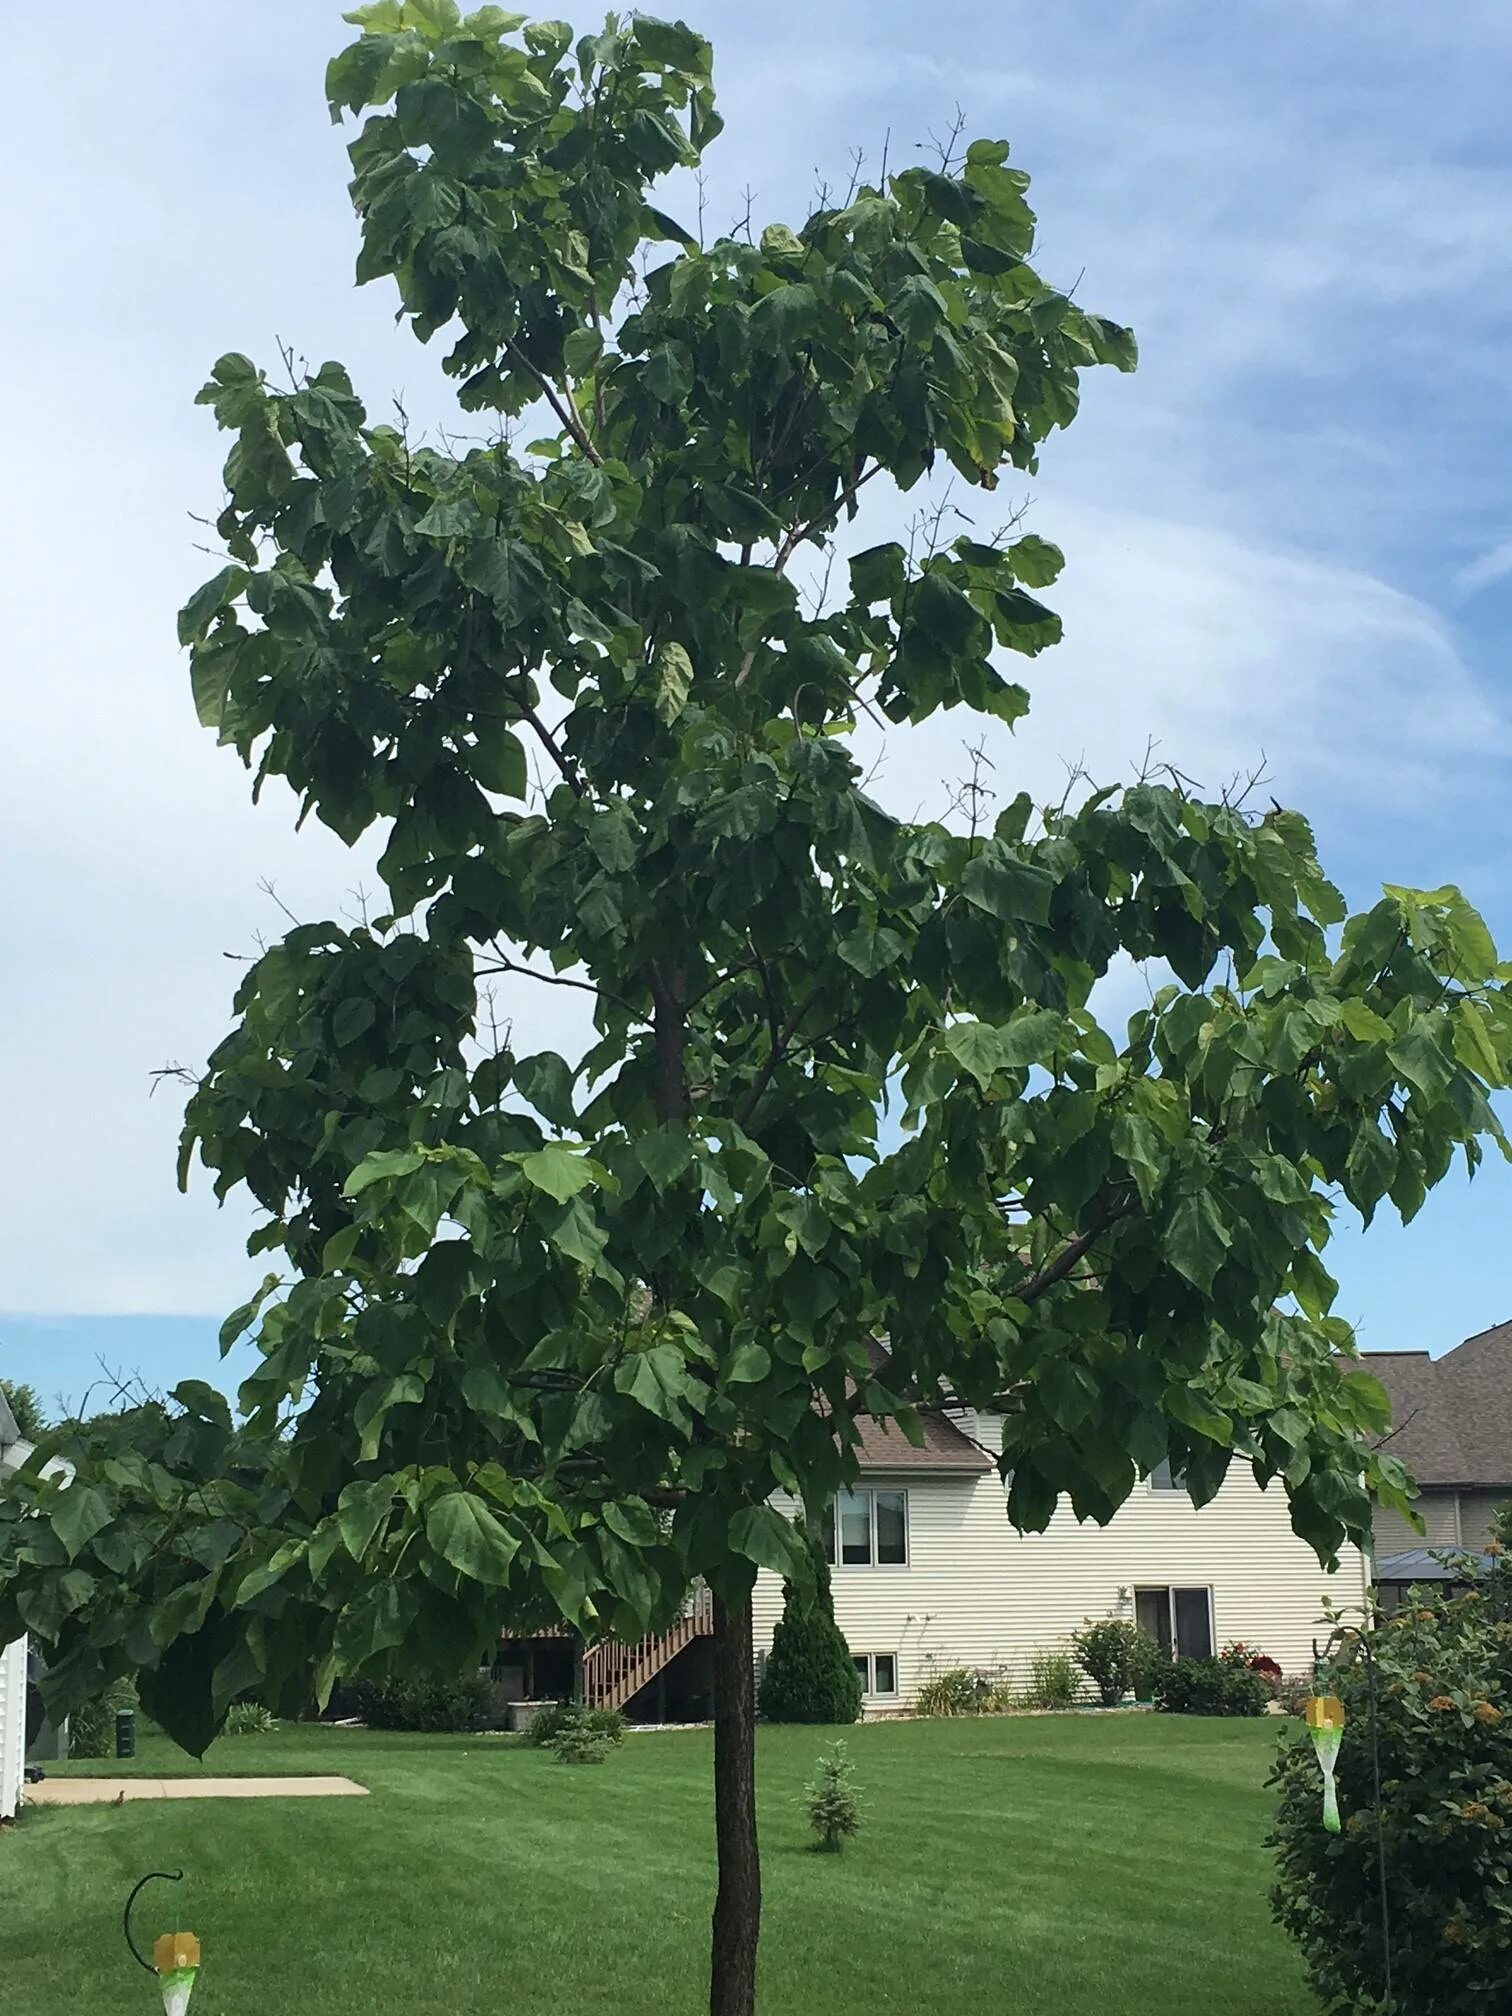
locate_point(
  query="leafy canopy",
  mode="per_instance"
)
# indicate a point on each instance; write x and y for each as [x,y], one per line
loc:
[545,1336]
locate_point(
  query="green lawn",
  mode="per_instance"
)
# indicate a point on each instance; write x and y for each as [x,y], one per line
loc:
[1055,1866]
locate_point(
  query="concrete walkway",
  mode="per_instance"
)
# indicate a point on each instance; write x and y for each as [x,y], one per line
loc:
[121,1791]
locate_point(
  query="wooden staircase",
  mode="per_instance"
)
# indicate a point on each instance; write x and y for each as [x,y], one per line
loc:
[613,1672]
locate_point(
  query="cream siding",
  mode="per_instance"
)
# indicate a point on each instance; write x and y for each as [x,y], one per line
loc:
[1440,1513]
[976,1593]
[1477,1510]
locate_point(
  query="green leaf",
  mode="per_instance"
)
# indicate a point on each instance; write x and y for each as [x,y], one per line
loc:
[80,1513]
[1137,1143]
[361,1510]
[206,603]
[380,1168]
[378,1397]
[1362,1022]
[497,759]
[1035,561]
[665,1154]
[546,1081]
[658,1381]
[879,574]
[918,308]
[761,1534]
[1007,887]
[870,950]
[464,1532]
[670,45]
[983,1048]
[1370,1167]
[433,113]
[1424,1056]
[1197,1240]
[559,1170]
[749,1364]
[352,1018]
[783,319]
[668,373]
[674,681]
[1475,1045]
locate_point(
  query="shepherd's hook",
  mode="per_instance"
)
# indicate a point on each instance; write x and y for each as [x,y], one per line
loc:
[152,1876]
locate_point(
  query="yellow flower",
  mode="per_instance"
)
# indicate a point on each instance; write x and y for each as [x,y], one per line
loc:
[1487,1711]
[1442,1703]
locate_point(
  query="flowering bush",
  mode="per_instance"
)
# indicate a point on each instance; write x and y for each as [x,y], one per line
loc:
[1238,1654]
[1443,1722]
[1227,1685]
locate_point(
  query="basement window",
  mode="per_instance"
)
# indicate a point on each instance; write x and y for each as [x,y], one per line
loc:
[879,1672]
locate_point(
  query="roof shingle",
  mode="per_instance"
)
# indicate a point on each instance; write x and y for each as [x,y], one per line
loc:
[1452,1416]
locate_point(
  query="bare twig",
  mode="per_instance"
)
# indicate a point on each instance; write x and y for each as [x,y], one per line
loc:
[506,965]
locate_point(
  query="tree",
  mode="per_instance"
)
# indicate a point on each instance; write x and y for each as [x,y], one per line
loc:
[549,1335]
[25,1407]
[810,1675]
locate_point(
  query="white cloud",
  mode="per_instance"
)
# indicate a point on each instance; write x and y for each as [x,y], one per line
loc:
[1493,565]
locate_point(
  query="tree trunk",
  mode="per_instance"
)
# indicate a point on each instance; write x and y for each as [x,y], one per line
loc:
[737,1908]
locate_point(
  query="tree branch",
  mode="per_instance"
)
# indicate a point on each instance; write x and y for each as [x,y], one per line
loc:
[558,755]
[775,1055]
[506,965]
[562,408]
[1075,1249]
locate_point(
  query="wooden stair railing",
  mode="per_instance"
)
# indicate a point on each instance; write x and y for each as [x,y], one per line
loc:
[613,1672]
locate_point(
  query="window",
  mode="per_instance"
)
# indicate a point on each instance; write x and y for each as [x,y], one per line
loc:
[879,1672]
[1180,1620]
[1164,1478]
[872,1527]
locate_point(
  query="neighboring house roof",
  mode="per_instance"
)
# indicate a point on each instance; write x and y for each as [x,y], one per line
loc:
[1452,1416]
[1432,1564]
[884,1446]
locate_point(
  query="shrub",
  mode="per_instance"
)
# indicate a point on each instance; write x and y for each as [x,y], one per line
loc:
[578,1742]
[606,1722]
[468,1702]
[834,1811]
[999,1699]
[1237,1653]
[249,1718]
[1053,1681]
[1223,1686]
[1443,1734]
[553,1721]
[1108,1651]
[92,1725]
[1148,1660]
[951,1692]
[549,1722]
[1295,1691]
[809,1675]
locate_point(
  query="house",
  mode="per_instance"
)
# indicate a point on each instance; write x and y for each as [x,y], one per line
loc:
[1452,1427]
[928,1574]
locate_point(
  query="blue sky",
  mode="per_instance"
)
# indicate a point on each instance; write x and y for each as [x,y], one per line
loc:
[1290,533]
